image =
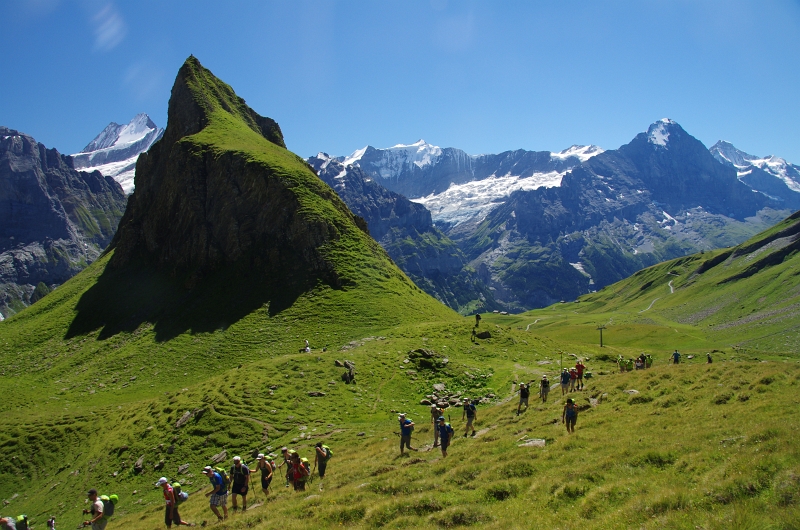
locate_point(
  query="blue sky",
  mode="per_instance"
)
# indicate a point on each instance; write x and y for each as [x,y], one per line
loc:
[482,76]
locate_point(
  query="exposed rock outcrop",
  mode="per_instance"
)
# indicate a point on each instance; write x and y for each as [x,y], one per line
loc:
[54,220]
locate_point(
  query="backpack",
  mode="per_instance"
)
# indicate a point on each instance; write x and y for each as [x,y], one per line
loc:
[470,411]
[108,505]
[449,429]
[305,465]
[328,452]
[226,479]
[180,495]
[21,521]
[271,462]
[545,383]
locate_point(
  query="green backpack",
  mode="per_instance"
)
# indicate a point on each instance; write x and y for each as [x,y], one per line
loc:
[328,452]
[226,479]
[21,522]
[108,504]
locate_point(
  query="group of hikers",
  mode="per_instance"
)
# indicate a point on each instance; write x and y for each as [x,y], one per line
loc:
[571,379]
[442,430]
[237,483]
[224,483]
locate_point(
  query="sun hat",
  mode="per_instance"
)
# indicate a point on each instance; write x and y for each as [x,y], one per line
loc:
[284,449]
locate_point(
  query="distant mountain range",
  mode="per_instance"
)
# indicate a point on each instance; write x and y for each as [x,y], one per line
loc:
[54,220]
[115,150]
[534,228]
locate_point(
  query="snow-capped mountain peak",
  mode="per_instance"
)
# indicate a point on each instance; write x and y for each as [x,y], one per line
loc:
[115,150]
[658,133]
[581,152]
[744,163]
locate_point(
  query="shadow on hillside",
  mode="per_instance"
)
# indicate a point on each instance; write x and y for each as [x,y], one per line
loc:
[123,299]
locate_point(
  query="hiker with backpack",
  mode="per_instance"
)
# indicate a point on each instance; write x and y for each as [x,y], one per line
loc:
[171,514]
[544,388]
[300,472]
[322,453]
[218,496]
[240,477]
[406,428]
[471,413]
[445,435]
[570,415]
[524,394]
[265,465]
[98,522]
[7,523]
[565,379]
[435,413]
[287,461]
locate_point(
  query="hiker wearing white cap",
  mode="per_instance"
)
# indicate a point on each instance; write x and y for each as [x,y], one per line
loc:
[406,428]
[544,388]
[240,482]
[264,465]
[171,514]
[219,495]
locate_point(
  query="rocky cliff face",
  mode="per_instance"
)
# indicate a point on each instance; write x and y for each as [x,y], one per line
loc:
[54,220]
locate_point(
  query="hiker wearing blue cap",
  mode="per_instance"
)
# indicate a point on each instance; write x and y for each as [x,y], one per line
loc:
[445,435]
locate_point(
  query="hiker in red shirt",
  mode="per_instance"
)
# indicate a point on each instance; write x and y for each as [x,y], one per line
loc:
[580,367]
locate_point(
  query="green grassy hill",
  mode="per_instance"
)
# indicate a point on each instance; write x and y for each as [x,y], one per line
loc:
[97,374]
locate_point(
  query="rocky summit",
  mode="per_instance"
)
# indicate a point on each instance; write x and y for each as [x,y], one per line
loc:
[225,220]
[54,220]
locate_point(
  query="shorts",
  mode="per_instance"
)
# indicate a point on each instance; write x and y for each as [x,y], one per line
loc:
[405,441]
[219,499]
[445,445]
[239,489]
[176,518]
[544,391]
[300,485]
[321,468]
[100,524]
[469,421]
[523,401]
[564,386]
[265,482]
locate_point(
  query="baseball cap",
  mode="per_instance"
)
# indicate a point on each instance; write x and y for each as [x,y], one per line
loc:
[441,418]
[92,492]
[260,456]
[208,469]
[162,481]
[402,415]
[284,449]
[237,458]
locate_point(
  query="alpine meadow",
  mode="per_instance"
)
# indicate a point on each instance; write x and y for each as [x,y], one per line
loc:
[183,345]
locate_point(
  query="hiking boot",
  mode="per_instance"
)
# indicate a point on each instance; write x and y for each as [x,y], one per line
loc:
[473,434]
[465,435]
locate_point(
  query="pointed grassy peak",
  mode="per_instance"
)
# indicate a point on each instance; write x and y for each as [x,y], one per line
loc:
[199,97]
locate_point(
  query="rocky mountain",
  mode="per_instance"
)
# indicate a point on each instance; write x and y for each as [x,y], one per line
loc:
[225,221]
[405,230]
[115,150]
[539,227]
[457,187]
[661,196]
[54,220]
[770,175]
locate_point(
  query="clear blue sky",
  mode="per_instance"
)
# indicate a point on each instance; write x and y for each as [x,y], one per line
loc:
[482,76]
